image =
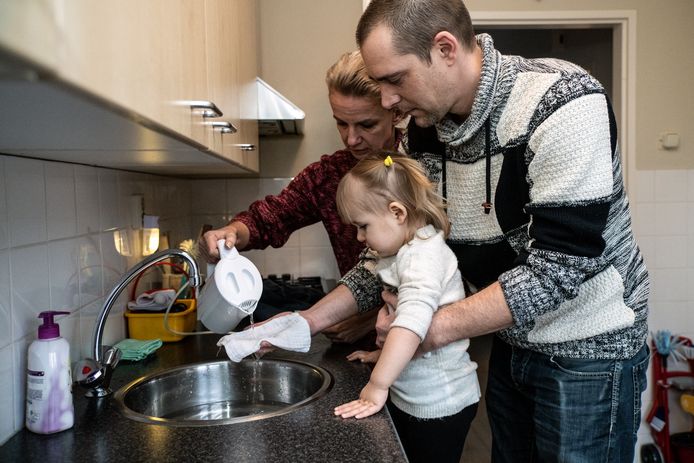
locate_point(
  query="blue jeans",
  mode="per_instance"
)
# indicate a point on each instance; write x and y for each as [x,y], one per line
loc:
[551,409]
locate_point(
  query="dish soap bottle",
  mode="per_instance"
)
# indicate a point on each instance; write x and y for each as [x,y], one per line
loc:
[49,407]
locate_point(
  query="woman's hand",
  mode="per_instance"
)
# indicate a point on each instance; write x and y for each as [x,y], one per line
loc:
[234,235]
[371,401]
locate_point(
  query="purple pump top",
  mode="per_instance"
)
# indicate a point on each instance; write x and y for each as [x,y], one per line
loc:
[49,329]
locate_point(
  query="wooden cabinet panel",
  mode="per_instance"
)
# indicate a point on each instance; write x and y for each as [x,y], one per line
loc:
[248,70]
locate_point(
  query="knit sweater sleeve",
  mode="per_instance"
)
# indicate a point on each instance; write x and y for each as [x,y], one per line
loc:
[570,174]
[272,220]
[363,283]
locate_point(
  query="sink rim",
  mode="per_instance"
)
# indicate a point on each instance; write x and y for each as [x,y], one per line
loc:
[121,393]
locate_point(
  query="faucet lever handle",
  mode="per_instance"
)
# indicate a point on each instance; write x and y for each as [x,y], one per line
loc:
[111,357]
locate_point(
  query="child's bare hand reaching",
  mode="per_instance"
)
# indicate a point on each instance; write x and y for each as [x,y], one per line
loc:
[371,401]
[364,356]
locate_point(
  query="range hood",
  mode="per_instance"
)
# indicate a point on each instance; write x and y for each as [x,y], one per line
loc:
[276,114]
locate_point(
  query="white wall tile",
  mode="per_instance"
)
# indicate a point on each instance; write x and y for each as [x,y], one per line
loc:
[690,185]
[672,316]
[109,212]
[258,258]
[216,220]
[20,348]
[61,213]
[671,251]
[113,263]
[670,218]
[643,187]
[7,375]
[642,216]
[63,274]
[130,184]
[315,235]
[26,200]
[272,186]
[90,269]
[670,185]
[5,301]
[209,197]
[282,260]
[241,193]
[114,329]
[647,245]
[87,199]
[30,293]
[668,285]
[4,230]
[70,330]
[318,261]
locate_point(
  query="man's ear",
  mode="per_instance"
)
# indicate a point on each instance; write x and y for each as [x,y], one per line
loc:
[446,46]
[399,211]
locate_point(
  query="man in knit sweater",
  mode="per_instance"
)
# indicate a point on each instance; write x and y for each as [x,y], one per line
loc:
[526,153]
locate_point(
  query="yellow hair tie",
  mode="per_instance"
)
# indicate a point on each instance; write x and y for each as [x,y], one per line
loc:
[388,161]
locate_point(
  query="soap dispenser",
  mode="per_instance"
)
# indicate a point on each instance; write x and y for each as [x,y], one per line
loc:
[49,407]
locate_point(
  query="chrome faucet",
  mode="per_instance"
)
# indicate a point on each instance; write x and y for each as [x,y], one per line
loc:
[95,375]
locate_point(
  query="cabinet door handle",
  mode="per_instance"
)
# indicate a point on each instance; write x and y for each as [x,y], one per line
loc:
[223,126]
[209,109]
[246,146]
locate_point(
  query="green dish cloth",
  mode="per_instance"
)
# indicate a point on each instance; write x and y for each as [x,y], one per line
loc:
[134,349]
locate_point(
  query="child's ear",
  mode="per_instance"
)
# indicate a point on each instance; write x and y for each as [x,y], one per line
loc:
[398,210]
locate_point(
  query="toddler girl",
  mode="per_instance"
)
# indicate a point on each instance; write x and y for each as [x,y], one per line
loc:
[433,398]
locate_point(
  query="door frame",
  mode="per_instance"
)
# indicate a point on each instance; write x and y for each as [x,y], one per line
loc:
[623,25]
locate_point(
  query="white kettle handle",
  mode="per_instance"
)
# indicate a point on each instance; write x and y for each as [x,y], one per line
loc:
[224,252]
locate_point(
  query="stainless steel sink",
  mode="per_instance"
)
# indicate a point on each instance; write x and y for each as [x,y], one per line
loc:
[223,392]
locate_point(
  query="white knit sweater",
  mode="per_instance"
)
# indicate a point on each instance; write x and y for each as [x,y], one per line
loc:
[425,272]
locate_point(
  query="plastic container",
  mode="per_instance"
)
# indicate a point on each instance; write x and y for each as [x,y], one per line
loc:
[49,407]
[151,325]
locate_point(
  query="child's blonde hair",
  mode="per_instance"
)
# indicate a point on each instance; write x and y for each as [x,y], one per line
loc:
[372,185]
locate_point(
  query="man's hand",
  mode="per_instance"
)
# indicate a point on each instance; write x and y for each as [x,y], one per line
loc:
[352,329]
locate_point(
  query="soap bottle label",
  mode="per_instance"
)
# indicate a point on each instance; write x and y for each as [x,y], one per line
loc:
[36,392]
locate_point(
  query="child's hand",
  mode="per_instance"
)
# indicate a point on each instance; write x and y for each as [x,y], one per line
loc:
[364,356]
[371,401]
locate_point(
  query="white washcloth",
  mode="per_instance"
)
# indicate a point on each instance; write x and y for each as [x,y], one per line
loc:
[153,300]
[290,332]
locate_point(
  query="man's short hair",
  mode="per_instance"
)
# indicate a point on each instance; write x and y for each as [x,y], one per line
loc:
[415,23]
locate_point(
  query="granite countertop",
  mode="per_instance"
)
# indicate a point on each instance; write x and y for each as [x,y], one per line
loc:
[309,434]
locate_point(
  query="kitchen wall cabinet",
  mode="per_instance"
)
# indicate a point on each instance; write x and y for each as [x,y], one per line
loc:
[145,62]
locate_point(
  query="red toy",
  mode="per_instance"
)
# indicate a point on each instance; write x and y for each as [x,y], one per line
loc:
[663,450]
